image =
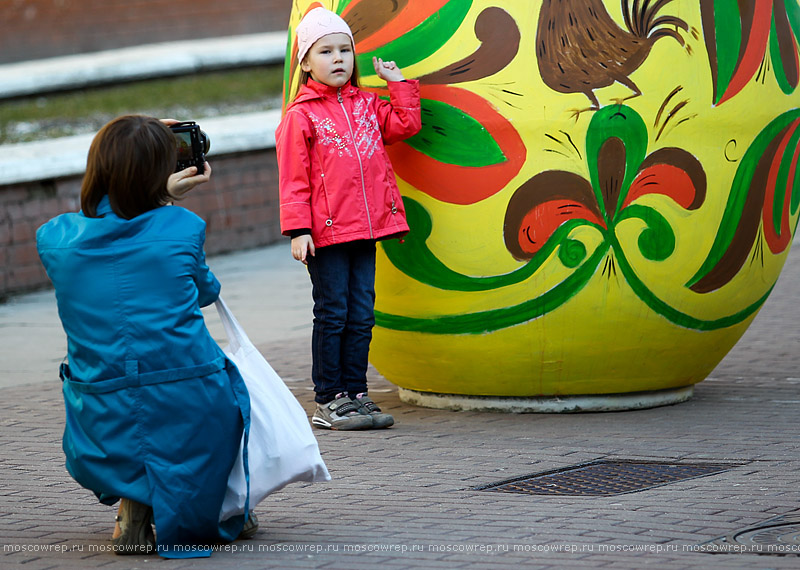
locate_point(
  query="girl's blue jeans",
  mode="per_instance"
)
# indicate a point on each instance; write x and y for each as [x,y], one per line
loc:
[343,287]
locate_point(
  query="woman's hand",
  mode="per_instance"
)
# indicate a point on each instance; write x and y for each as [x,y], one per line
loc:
[301,247]
[179,183]
[387,70]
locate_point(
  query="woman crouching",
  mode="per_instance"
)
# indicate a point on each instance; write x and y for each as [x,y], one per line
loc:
[154,411]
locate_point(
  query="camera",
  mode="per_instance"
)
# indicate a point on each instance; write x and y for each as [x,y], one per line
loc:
[193,144]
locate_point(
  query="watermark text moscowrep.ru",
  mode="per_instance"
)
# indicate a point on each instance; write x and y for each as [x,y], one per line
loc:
[444,547]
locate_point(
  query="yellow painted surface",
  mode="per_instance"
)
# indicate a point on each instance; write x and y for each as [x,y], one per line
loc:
[603,339]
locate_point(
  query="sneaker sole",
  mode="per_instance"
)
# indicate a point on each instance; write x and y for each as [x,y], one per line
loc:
[322,424]
[380,420]
[381,424]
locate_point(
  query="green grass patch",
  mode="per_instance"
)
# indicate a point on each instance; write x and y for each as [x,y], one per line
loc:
[184,98]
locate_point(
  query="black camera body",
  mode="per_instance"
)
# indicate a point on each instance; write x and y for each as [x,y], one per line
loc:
[193,144]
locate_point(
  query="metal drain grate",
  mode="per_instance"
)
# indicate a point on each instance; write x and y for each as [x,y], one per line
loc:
[778,535]
[605,477]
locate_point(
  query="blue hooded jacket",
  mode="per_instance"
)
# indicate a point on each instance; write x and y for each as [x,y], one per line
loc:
[155,412]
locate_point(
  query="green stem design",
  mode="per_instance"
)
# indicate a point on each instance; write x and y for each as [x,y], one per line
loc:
[740,188]
[671,314]
[496,319]
[414,258]
[657,241]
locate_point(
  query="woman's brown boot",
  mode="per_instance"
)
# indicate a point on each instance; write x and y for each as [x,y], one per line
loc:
[136,532]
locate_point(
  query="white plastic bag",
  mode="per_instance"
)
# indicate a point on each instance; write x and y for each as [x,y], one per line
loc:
[282,449]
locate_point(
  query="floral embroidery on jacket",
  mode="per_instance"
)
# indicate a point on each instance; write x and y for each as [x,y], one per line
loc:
[328,136]
[368,134]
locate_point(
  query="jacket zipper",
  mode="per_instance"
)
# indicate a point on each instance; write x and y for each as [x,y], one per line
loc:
[358,156]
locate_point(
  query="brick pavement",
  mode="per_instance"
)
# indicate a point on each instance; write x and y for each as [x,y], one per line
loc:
[405,498]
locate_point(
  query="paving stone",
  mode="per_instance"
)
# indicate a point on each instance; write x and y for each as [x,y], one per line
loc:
[413,485]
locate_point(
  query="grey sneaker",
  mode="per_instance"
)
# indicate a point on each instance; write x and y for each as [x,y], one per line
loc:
[341,414]
[369,408]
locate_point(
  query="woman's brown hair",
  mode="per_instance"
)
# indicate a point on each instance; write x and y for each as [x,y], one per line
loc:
[130,160]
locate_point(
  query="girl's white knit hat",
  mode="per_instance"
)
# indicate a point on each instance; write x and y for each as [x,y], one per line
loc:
[317,23]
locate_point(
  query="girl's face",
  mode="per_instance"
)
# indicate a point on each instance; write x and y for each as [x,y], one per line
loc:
[330,60]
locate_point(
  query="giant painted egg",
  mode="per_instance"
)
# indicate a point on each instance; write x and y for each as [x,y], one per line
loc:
[602,195]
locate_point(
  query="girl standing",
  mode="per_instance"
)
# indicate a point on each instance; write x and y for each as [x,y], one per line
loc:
[338,197]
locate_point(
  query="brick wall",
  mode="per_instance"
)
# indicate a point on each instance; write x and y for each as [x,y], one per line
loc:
[239,205]
[33,29]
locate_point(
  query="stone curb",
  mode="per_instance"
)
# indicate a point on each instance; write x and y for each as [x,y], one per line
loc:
[140,62]
[66,156]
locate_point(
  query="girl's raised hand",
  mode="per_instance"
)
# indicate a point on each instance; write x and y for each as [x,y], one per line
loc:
[387,70]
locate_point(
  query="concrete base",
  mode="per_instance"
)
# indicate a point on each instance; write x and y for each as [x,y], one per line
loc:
[548,404]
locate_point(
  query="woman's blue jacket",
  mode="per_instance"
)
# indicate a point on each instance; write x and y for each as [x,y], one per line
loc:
[154,410]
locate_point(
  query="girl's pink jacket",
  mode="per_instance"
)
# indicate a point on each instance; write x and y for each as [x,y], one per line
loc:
[335,175]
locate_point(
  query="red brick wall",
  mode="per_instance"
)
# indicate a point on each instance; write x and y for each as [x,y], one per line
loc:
[34,29]
[239,205]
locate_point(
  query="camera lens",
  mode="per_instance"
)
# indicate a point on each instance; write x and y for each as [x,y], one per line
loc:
[205,141]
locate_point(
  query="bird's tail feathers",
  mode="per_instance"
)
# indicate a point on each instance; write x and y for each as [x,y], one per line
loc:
[642,20]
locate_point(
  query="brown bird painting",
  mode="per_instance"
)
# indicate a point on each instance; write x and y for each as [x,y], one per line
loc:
[580,48]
